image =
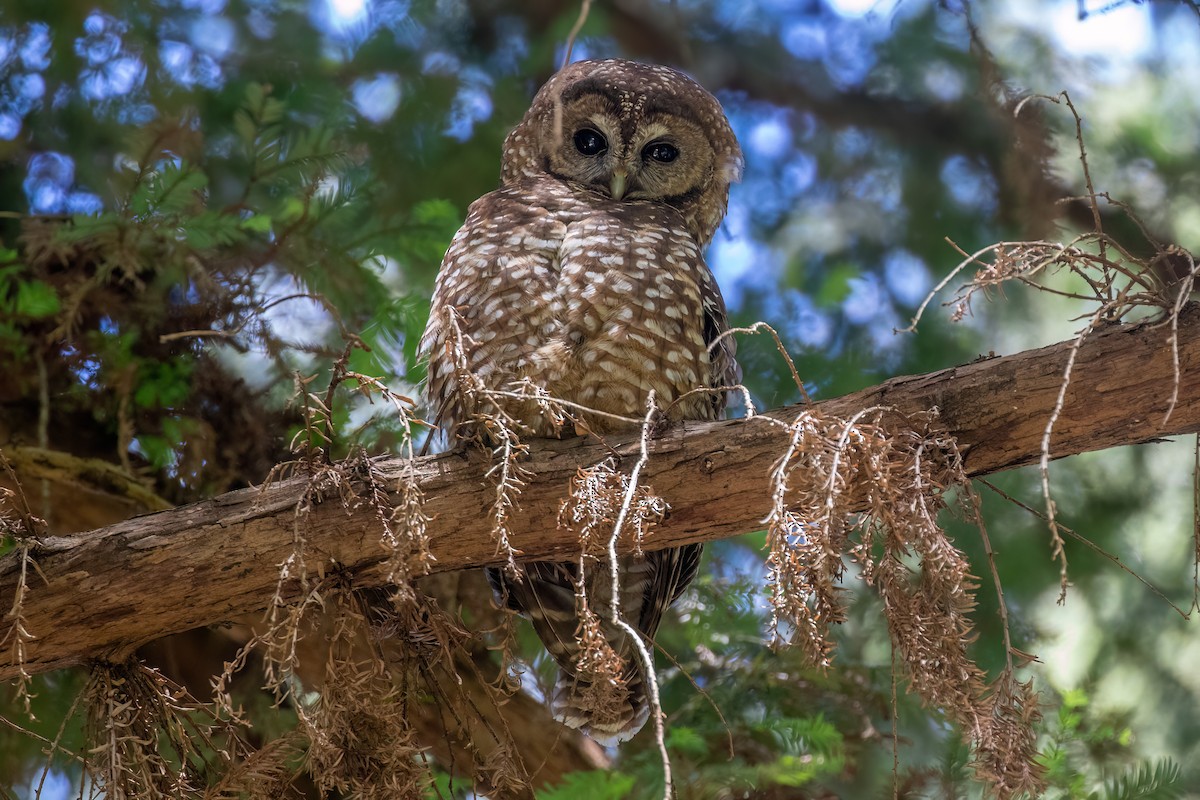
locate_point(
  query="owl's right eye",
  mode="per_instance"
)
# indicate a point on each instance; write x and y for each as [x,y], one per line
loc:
[590,142]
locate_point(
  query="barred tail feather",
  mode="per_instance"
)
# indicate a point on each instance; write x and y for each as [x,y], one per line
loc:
[601,686]
[594,710]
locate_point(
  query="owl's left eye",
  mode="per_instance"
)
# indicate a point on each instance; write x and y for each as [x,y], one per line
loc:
[661,151]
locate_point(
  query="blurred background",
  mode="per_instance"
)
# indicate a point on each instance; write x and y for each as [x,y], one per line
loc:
[278,173]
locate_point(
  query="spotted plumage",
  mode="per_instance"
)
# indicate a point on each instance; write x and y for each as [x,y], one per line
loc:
[583,275]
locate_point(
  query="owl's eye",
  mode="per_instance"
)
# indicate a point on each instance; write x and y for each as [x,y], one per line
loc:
[661,151]
[590,142]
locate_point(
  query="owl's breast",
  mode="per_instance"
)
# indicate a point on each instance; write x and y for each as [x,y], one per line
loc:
[630,320]
[593,301]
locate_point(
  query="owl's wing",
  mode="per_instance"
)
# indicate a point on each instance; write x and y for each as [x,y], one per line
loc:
[671,572]
[494,288]
[724,368]
[673,569]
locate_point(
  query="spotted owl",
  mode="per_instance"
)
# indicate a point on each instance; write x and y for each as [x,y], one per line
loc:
[584,276]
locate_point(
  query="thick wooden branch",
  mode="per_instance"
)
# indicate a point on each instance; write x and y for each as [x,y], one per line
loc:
[102,593]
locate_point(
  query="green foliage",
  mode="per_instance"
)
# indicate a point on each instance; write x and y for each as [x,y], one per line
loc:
[835,284]
[807,748]
[23,300]
[22,756]
[1084,748]
[429,229]
[188,258]
[445,788]
[35,299]
[687,741]
[1144,782]
[163,384]
[168,190]
[590,786]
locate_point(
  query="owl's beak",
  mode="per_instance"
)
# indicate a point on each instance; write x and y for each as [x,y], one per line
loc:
[616,186]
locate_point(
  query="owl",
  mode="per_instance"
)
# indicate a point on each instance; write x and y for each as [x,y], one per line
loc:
[584,276]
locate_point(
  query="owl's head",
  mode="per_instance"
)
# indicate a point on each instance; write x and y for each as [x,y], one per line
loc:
[632,132]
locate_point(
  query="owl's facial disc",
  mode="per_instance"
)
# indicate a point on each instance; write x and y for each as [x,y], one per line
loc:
[644,167]
[599,148]
[630,145]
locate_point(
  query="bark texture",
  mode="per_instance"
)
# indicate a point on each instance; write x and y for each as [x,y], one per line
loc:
[102,593]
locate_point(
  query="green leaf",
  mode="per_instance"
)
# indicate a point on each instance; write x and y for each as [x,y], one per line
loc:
[259,223]
[255,94]
[293,209]
[272,111]
[158,450]
[36,299]
[836,285]
[593,785]
[687,741]
[243,125]
[169,190]
[436,212]
[213,229]
[430,228]
[1145,782]
[163,385]
[792,771]
[1074,698]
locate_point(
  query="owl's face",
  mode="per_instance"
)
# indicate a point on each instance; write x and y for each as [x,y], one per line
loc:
[627,151]
[632,132]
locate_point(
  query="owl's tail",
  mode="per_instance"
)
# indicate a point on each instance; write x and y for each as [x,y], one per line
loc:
[600,687]
[594,709]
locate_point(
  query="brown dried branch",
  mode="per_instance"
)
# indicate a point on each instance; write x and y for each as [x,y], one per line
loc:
[896,471]
[1196,525]
[16,516]
[584,8]
[148,738]
[649,676]
[759,327]
[253,314]
[18,635]
[361,739]
[264,774]
[18,523]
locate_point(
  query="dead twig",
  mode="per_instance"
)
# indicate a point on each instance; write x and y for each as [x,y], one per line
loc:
[615,577]
[585,8]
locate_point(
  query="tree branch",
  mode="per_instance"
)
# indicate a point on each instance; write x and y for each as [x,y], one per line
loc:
[102,593]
